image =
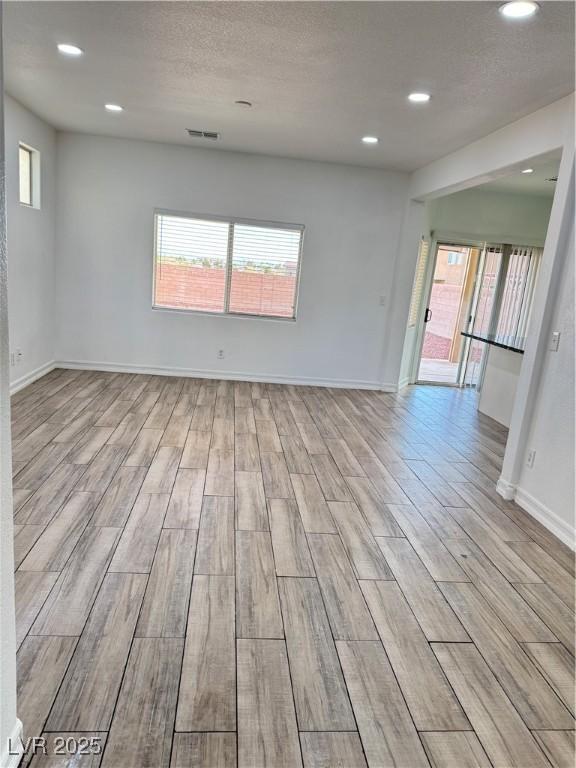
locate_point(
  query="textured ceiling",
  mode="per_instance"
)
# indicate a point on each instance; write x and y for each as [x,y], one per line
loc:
[320,75]
[544,167]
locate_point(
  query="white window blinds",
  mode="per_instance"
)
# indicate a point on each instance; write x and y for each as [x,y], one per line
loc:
[264,270]
[191,259]
[233,267]
[418,286]
[507,290]
[518,291]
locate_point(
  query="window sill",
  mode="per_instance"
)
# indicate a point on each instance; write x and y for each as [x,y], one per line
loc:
[227,315]
[30,207]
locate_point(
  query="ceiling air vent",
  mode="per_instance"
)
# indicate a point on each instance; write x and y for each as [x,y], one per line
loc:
[553,179]
[212,135]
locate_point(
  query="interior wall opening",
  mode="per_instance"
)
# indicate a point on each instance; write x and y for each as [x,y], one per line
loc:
[475,281]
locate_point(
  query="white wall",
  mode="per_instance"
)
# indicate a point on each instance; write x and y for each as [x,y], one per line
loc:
[548,488]
[9,724]
[499,384]
[501,217]
[31,241]
[396,353]
[107,192]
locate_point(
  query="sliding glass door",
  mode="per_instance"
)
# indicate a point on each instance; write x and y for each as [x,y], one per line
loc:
[481,314]
[483,289]
[446,313]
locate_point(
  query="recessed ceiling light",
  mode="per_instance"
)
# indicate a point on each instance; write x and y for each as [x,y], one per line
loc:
[70,50]
[243,103]
[528,170]
[519,9]
[370,139]
[113,107]
[419,98]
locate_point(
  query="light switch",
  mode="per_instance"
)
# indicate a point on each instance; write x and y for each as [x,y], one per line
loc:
[554,341]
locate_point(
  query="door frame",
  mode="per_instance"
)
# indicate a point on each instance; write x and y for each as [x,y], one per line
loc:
[436,239]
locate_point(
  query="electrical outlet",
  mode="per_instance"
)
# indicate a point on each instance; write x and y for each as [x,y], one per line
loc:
[382,300]
[530,458]
[554,341]
[220,354]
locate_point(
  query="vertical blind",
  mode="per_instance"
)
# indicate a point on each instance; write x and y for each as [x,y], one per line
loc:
[418,286]
[518,291]
[231,267]
[507,290]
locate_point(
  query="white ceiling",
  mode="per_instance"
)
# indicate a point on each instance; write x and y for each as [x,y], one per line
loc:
[545,167]
[320,74]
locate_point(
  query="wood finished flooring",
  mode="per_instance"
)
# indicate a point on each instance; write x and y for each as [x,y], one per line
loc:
[218,574]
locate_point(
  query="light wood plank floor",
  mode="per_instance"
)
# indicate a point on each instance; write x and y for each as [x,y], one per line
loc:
[216,573]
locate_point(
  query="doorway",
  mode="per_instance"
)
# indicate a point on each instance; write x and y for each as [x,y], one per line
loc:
[447,311]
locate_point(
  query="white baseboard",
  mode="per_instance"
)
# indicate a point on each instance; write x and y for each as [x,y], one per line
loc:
[28,378]
[505,489]
[228,375]
[404,382]
[14,749]
[538,511]
[555,524]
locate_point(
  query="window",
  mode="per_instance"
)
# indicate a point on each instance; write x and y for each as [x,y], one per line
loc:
[25,175]
[455,257]
[226,266]
[418,285]
[29,176]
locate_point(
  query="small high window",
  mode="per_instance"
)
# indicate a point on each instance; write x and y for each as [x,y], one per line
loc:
[29,176]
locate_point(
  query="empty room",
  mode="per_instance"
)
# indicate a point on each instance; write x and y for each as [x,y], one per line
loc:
[287,384]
